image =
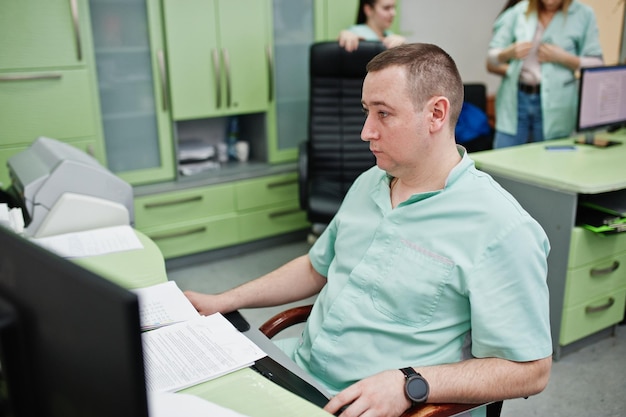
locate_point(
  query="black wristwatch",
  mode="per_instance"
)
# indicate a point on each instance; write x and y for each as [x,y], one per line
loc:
[415,386]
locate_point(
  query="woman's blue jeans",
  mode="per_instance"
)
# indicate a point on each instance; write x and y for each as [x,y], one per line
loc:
[529,122]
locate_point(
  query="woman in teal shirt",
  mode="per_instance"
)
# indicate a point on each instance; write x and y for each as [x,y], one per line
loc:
[373,21]
[544,42]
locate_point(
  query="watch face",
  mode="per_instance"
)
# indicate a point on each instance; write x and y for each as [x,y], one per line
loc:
[417,389]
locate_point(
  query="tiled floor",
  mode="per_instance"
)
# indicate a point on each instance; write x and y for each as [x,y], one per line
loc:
[588,382]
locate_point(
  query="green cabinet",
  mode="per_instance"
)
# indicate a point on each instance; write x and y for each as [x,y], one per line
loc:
[189,221]
[129,53]
[47,77]
[218,57]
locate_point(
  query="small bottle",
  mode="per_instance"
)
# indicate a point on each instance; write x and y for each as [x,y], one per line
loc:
[232,137]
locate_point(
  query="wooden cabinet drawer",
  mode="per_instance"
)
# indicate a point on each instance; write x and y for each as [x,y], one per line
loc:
[272,221]
[266,191]
[592,316]
[57,104]
[587,246]
[196,236]
[181,206]
[591,280]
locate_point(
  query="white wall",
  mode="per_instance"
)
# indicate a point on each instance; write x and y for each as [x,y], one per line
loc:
[461,27]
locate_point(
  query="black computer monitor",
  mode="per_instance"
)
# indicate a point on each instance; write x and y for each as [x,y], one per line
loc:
[70,340]
[601,99]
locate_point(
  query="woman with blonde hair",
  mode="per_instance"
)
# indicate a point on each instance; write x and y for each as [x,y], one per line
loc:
[544,43]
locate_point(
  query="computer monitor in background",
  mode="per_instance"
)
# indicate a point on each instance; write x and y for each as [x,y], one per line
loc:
[70,340]
[601,99]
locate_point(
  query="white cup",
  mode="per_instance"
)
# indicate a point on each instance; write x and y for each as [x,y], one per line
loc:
[243,150]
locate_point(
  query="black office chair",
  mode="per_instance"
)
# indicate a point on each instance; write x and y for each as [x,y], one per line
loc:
[476,94]
[334,154]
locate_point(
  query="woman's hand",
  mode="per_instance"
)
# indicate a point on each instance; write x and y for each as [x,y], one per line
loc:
[206,304]
[393,40]
[348,40]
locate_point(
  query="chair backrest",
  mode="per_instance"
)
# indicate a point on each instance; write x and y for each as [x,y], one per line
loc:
[336,153]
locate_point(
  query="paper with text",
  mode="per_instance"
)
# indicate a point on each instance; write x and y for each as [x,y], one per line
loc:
[91,242]
[163,304]
[187,353]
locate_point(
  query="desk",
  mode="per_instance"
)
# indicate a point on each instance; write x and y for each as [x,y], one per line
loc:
[244,391]
[548,184]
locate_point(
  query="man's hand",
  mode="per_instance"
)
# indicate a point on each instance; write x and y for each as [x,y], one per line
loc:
[381,395]
[206,304]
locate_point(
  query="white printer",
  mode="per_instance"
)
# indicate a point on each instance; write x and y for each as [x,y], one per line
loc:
[62,190]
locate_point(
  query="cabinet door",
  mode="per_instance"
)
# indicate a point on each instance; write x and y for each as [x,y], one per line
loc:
[135,114]
[293,36]
[218,57]
[193,58]
[245,47]
[41,34]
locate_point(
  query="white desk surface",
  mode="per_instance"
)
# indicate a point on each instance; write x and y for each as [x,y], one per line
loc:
[585,170]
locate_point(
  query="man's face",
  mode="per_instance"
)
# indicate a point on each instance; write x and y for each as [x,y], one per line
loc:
[393,127]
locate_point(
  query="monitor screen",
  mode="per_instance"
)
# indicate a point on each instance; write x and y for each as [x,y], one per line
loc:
[601,98]
[70,340]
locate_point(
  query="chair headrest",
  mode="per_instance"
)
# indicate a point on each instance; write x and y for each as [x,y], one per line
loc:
[328,59]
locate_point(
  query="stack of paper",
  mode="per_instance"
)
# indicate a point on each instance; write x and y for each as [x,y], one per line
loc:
[163,304]
[194,351]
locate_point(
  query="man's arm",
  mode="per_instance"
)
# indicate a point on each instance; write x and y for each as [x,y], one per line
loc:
[472,381]
[293,281]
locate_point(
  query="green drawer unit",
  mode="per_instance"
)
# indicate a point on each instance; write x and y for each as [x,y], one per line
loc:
[594,279]
[58,104]
[266,191]
[181,206]
[279,219]
[594,315]
[195,236]
[587,246]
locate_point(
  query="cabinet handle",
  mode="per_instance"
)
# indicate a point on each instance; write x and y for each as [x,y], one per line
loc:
[218,76]
[603,307]
[594,272]
[179,234]
[284,213]
[281,183]
[163,77]
[228,85]
[76,21]
[173,202]
[270,71]
[31,77]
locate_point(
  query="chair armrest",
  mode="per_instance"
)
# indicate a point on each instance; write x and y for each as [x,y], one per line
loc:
[296,315]
[285,319]
[438,410]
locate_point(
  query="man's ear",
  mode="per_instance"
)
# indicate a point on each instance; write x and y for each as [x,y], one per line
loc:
[439,112]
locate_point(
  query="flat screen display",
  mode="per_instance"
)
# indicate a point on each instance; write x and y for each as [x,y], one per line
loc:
[70,340]
[601,98]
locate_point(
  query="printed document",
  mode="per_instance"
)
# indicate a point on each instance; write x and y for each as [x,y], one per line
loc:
[92,242]
[194,351]
[163,304]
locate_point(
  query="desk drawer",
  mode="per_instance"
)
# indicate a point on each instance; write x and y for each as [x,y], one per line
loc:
[181,206]
[196,236]
[589,281]
[587,246]
[266,191]
[592,316]
[272,221]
